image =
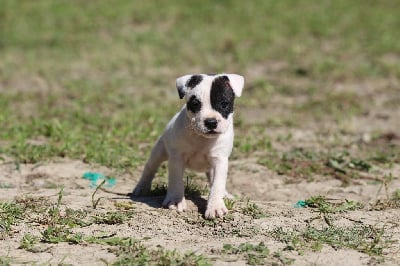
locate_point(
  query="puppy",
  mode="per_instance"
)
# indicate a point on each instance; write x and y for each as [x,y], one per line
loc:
[198,137]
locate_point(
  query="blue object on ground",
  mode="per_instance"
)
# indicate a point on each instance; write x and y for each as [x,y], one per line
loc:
[300,204]
[96,179]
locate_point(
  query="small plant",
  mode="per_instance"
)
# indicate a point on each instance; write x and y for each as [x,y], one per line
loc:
[95,202]
[131,252]
[328,206]
[192,189]
[365,239]
[112,217]
[6,261]
[57,234]
[229,203]
[28,241]
[255,254]
[325,205]
[10,213]
[253,210]
[391,202]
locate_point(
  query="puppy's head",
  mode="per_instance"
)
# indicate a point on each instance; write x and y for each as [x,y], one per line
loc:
[210,100]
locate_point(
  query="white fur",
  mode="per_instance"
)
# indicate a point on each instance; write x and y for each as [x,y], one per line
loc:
[186,144]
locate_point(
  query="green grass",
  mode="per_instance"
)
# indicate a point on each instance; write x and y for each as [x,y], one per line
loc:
[253,210]
[254,254]
[362,238]
[77,79]
[59,227]
[10,214]
[324,205]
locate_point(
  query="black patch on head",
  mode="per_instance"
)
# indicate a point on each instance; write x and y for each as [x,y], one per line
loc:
[194,104]
[222,96]
[194,81]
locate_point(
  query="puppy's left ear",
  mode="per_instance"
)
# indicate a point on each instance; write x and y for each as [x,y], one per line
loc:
[237,83]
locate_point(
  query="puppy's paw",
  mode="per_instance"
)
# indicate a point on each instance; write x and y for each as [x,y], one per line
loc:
[175,203]
[141,189]
[215,208]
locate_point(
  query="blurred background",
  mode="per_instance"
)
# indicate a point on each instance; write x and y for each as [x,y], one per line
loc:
[95,80]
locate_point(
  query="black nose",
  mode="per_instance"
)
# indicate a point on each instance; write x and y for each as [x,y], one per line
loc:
[211,123]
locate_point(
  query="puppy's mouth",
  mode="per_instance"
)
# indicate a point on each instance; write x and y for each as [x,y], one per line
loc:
[212,132]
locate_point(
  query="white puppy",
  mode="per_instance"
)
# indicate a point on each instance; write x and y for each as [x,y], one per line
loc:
[199,137]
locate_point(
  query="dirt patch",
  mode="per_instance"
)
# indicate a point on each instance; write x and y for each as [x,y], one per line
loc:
[189,232]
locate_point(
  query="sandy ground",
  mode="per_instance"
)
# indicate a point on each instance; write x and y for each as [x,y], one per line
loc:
[187,231]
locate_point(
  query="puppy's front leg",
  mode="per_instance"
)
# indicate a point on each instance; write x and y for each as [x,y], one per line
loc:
[216,206]
[175,198]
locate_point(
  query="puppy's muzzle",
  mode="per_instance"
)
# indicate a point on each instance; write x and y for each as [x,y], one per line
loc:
[211,123]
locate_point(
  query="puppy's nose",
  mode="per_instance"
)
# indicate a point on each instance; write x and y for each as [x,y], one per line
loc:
[211,123]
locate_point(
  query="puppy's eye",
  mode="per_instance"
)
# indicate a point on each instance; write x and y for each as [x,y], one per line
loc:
[194,105]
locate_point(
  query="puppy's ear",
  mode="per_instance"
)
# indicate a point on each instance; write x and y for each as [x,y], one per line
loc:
[237,83]
[187,82]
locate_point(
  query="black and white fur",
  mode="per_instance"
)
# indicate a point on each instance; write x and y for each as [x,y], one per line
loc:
[199,137]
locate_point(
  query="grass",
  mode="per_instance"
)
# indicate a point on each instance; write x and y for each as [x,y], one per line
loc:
[253,210]
[10,214]
[324,205]
[362,238]
[60,222]
[87,92]
[254,254]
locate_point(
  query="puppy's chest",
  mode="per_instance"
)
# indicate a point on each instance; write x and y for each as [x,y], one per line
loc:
[198,161]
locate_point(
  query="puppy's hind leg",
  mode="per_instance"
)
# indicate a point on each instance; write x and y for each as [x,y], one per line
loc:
[157,156]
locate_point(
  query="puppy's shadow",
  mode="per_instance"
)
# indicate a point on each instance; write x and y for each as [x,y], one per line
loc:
[152,201]
[156,201]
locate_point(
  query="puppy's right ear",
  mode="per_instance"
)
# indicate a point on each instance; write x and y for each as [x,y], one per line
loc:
[187,82]
[181,85]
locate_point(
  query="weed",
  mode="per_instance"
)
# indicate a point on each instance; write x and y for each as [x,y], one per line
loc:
[6,261]
[28,241]
[387,179]
[192,189]
[112,217]
[253,210]
[229,203]
[58,233]
[391,202]
[124,206]
[10,213]
[325,205]
[96,201]
[131,252]
[341,162]
[365,239]
[255,254]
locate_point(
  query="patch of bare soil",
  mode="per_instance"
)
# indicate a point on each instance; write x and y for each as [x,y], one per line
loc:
[188,231]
